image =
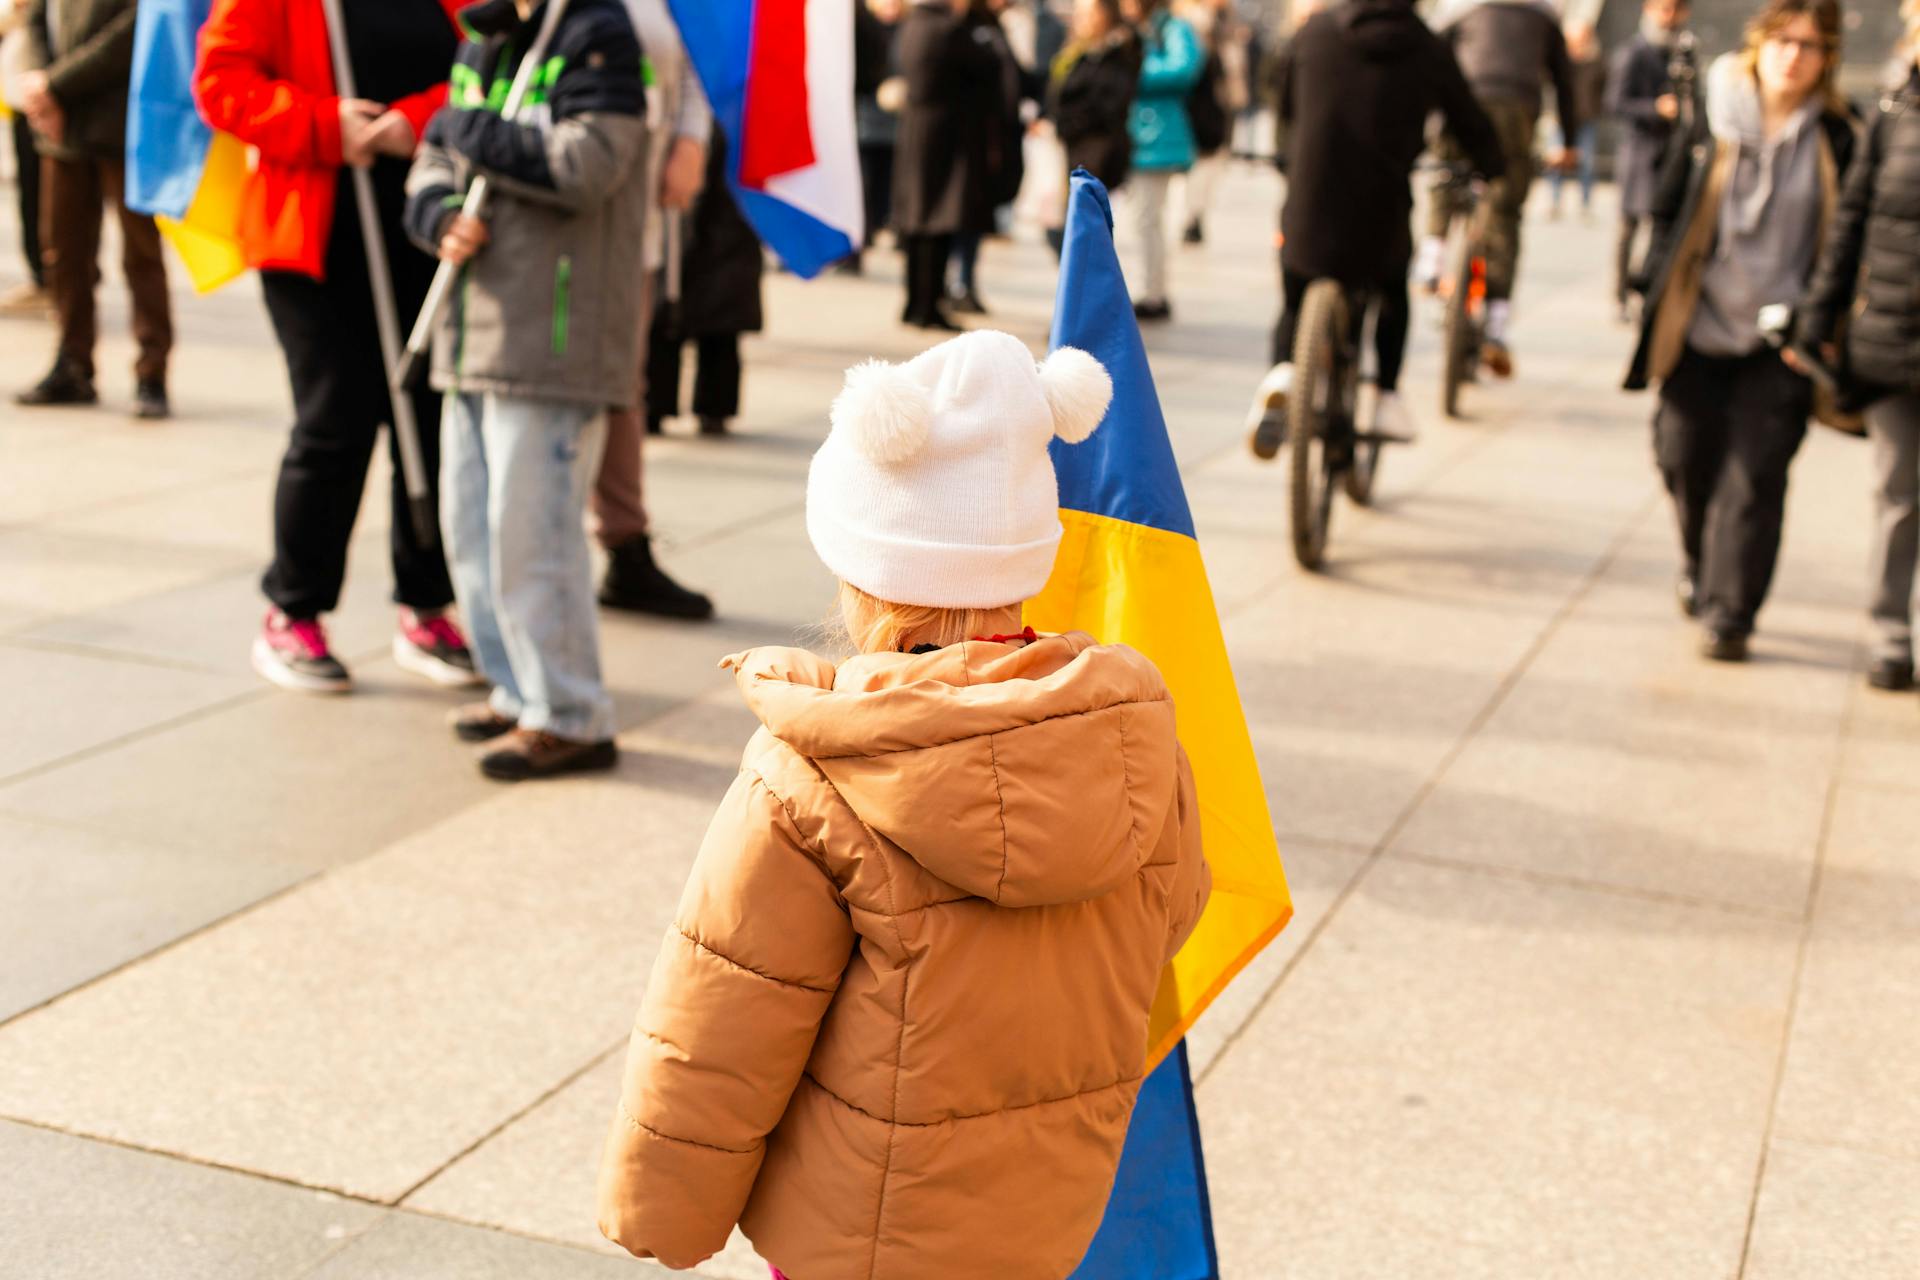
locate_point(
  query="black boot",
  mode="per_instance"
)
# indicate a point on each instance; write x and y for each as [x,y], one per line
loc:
[636,583]
[65,385]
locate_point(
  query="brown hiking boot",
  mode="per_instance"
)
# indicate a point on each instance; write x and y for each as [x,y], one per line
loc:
[479,722]
[534,753]
[1498,359]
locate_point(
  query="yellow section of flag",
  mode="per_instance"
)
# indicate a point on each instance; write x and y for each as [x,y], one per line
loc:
[208,238]
[1132,584]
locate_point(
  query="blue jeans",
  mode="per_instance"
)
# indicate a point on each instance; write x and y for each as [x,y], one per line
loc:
[1583,145]
[514,479]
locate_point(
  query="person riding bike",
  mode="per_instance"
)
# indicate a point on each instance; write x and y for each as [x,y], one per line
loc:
[1355,88]
[1509,50]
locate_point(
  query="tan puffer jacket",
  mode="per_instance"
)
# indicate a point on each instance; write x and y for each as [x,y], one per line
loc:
[898,1026]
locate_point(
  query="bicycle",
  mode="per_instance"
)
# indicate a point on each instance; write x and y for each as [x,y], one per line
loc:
[1464,288]
[1329,451]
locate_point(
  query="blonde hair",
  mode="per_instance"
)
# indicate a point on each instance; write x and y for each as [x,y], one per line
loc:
[1911,12]
[874,625]
[1776,14]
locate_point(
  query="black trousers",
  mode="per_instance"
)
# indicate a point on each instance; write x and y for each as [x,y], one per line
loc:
[876,183]
[716,377]
[27,160]
[327,333]
[1623,258]
[926,276]
[1391,318]
[1724,435]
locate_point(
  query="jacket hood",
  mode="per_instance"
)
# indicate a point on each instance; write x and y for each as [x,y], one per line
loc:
[1023,774]
[1381,29]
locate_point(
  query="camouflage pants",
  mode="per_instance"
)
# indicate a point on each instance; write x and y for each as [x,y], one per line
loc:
[1506,197]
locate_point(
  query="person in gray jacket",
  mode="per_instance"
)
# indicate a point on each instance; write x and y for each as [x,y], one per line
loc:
[542,336]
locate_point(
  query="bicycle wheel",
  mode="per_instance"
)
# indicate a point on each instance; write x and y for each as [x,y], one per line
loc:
[1364,461]
[1319,358]
[1457,337]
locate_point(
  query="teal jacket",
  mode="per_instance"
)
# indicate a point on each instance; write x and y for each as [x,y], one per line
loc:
[1162,135]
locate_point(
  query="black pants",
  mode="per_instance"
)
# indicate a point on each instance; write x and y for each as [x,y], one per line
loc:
[966,257]
[1724,435]
[716,378]
[876,182]
[27,160]
[326,331]
[1391,317]
[1623,259]
[926,276]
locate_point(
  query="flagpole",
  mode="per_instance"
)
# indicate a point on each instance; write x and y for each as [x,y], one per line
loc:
[406,430]
[420,340]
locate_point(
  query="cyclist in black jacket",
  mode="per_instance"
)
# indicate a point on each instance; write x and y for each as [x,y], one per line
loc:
[1355,88]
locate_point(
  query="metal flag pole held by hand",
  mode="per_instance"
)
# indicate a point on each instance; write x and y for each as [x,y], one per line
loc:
[474,206]
[406,430]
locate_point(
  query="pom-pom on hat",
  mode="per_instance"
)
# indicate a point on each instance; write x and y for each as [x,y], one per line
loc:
[935,486]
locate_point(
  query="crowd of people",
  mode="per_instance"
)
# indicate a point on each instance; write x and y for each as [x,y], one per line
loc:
[1767,231]
[1734,179]
[916,818]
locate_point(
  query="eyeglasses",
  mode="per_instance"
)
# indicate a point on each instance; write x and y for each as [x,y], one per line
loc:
[1812,48]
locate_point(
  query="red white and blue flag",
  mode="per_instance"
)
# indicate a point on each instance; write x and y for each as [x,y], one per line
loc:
[780,76]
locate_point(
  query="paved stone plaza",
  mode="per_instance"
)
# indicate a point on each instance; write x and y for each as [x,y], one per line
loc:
[1605,961]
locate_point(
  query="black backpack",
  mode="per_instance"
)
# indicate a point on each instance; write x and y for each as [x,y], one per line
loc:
[1211,127]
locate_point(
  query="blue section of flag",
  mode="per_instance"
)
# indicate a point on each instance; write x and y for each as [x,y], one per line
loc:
[1125,470]
[1159,1224]
[807,245]
[718,35]
[166,139]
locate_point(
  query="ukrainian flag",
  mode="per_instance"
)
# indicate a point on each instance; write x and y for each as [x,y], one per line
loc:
[185,174]
[1129,571]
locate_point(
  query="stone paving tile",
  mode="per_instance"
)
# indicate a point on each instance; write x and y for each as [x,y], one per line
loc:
[537,1176]
[75,903]
[312,780]
[1508,1074]
[71,1209]
[1316,874]
[406,1246]
[1623,758]
[1852,1076]
[76,700]
[45,572]
[365,1029]
[211,623]
[1827,1212]
[1883,742]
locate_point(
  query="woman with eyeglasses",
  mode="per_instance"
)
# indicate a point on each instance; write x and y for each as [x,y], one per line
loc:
[1737,225]
[1878,229]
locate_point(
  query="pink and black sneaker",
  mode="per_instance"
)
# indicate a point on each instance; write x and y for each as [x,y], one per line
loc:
[431,645]
[293,653]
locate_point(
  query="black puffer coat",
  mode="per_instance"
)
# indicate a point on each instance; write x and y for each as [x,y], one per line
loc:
[1091,93]
[1348,196]
[1871,261]
[943,170]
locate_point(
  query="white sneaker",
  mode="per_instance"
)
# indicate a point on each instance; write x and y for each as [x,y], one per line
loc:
[1392,420]
[1499,320]
[1426,266]
[1266,418]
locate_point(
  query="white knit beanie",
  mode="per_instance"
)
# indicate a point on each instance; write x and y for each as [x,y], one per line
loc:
[935,487]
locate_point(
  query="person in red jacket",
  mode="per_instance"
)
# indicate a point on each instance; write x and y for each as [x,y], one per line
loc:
[265,75]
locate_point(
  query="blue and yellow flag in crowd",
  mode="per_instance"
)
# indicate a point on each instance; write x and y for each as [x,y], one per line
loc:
[184,173]
[1129,571]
